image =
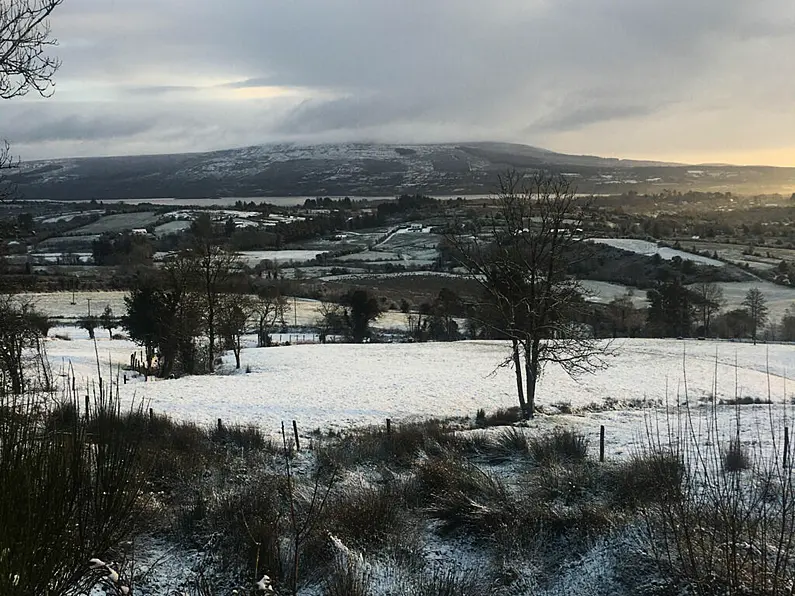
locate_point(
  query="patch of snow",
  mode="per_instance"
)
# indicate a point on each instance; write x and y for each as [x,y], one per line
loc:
[644,247]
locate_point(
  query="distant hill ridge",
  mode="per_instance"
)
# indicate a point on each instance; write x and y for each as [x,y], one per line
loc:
[365,169]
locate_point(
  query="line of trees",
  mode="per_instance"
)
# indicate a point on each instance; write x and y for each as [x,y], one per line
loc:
[676,310]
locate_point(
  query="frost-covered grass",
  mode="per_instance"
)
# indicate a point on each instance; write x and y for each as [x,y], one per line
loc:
[440,505]
[339,385]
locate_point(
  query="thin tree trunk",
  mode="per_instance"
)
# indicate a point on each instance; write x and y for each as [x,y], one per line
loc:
[531,374]
[517,365]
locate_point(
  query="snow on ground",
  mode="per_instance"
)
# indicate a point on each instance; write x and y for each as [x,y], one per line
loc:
[373,256]
[252,257]
[335,386]
[59,304]
[779,298]
[649,248]
[603,292]
[367,275]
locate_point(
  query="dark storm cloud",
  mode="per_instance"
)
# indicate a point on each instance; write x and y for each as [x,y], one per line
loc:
[509,68]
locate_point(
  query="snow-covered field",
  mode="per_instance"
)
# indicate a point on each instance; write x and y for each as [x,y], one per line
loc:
[603,292]
[252,257]
[336,386]
[649,248]
[779,298]
[59,304]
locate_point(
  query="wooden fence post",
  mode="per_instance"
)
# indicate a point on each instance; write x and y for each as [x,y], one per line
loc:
[602,443]
[295,432]
[220,426]
[151,415]
[388,426]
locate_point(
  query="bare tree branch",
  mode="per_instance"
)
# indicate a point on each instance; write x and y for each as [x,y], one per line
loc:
[24,39]
[519,257]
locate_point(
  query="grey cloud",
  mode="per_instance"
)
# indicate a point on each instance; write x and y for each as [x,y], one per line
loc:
[77,127]
[380,67]
[248,83]
[159,90]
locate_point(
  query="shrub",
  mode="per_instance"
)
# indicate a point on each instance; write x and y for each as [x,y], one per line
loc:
[401,447]
[349,576]
[564,407]
[445,582]
[54,482]
[513,441]
[465,498]
[745,401]
[735,457]
[502,417]
[474,443]
[560,445]
[723,533]
[364,517]
[566,484]
[246,437]
[652,476]
[251,524]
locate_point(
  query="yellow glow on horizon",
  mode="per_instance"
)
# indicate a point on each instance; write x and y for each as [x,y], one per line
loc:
[263,92]
[781,157]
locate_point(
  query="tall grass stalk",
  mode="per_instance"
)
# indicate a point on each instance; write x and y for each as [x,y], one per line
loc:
[727,532]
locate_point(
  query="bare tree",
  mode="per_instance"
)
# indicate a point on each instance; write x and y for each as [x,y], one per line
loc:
[24,63]
[107,320]
[24,39]
[7,162]
[235,311]
[624,317]
[215,266]
[520,257]
[331,319]
[755,304]
[270,306]
[21,348]
[709,301]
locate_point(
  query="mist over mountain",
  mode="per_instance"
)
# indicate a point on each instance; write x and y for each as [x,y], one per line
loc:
[368,169]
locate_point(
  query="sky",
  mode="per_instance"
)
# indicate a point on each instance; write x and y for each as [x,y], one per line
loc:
[696,81]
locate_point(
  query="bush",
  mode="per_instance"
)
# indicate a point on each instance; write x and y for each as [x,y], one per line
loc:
[401,447]
[464,498]
[652,476]
[348,577]
[567,484]
[735,457]
[364,517]
[502,417]
[445,582]
[513,441]
[722,533]
[562,445]
[251,523]
[54,482]
[246,437]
